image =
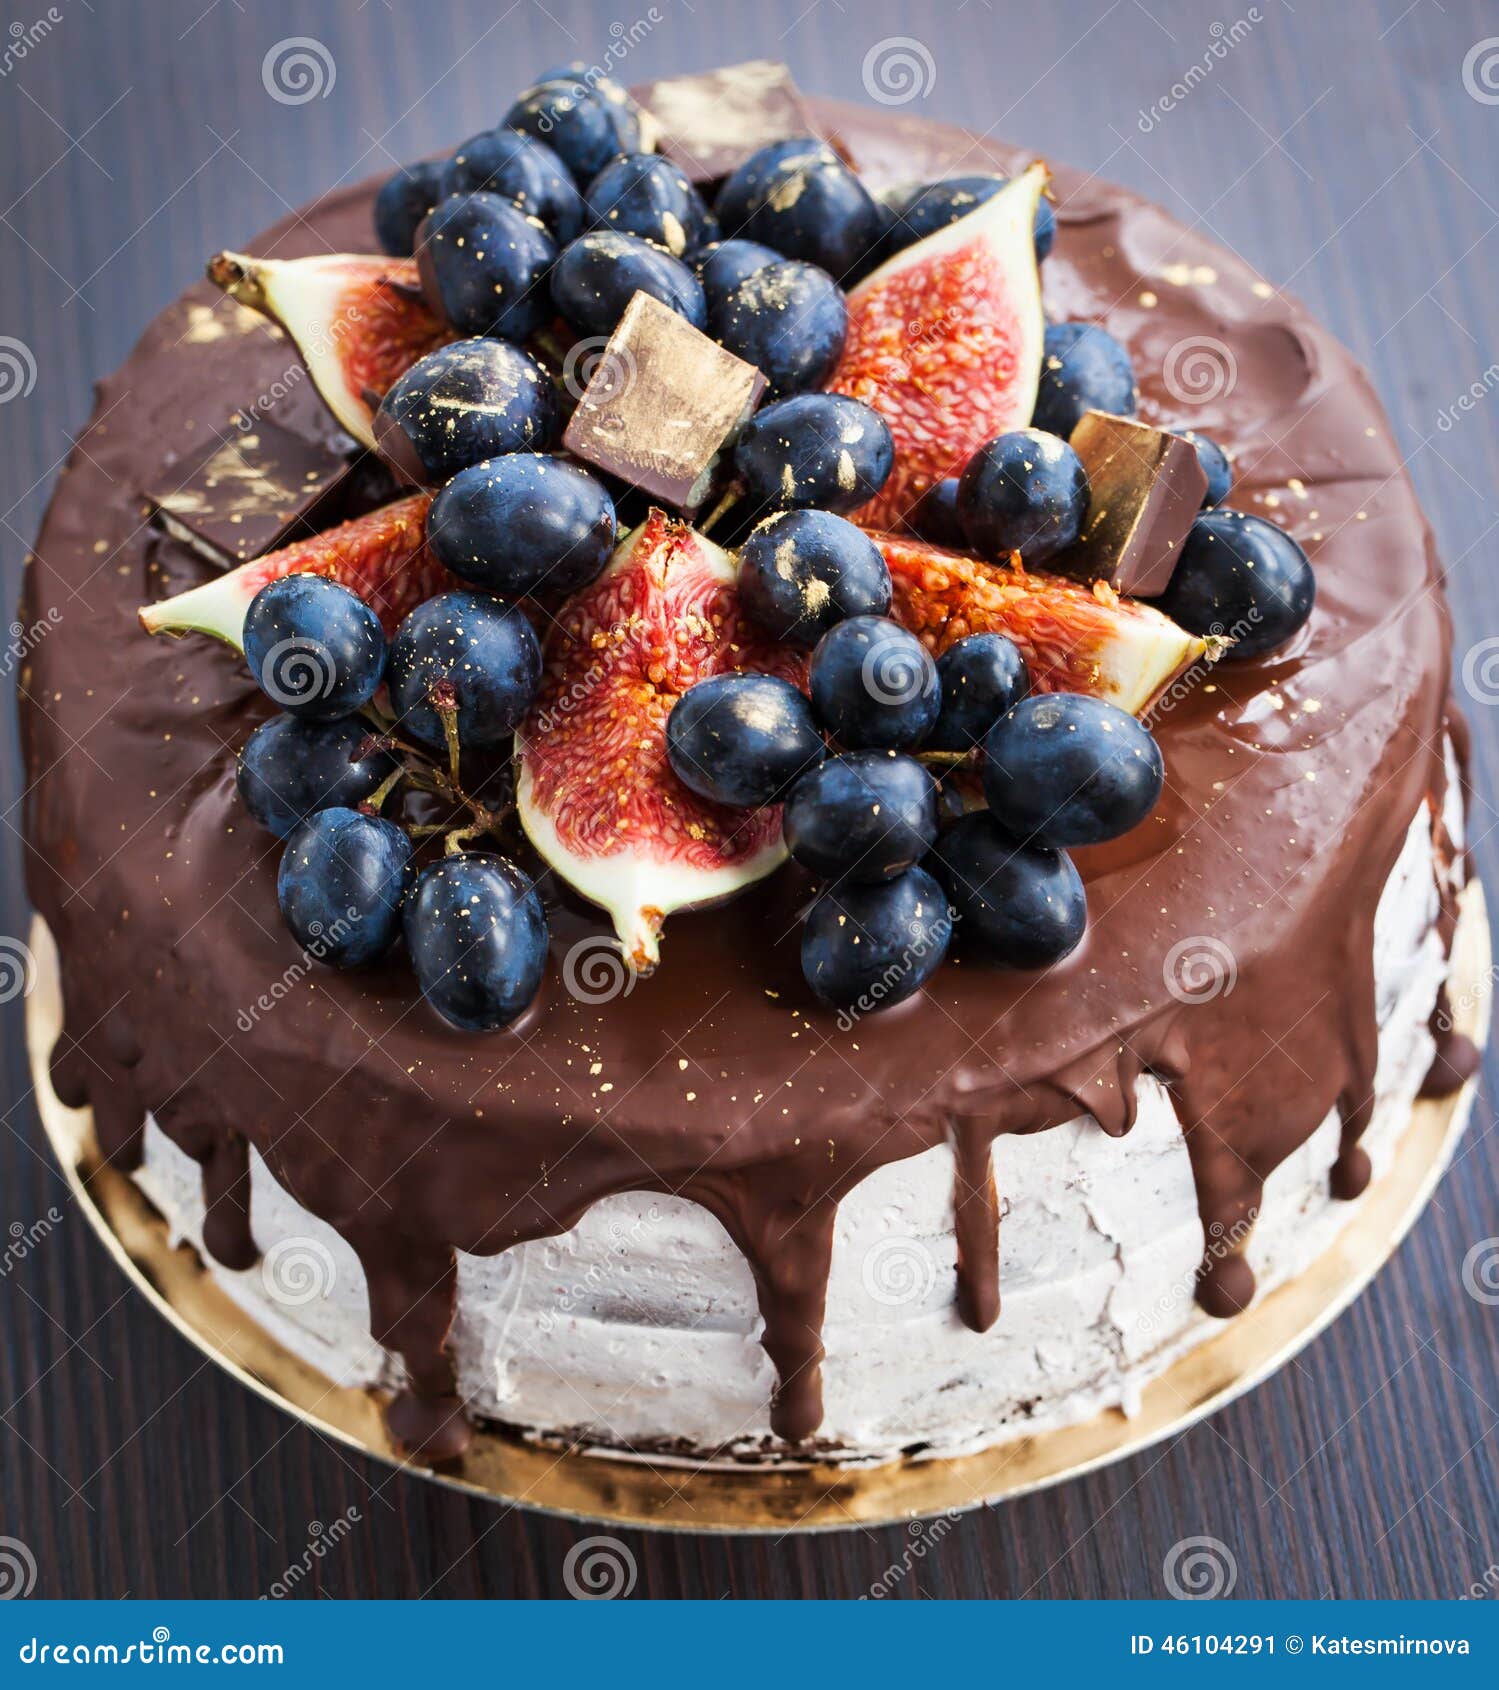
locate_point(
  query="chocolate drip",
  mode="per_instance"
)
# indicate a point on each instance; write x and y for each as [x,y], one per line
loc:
[782,1222]
[1291,783]
[976,1219]
[1457,1058]
[226,1202]
[412,1292]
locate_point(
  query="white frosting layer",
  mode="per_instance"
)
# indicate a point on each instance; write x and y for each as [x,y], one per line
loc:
[640,1329]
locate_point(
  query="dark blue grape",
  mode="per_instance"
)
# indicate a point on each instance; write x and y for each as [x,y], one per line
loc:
[290,768]
[463,403]
[585,126]
[1066,769]
[723,265]
[935,517]
[742,739]
[806,204]
[523,171]
[1215,466]
[523,524]
[340,886]
[477,936]
[647,195]
[1021,906]
[864,816]
[800,572]
[865,948]
[1241,576]
[982,676]
[1083,368]
[814,451]
[1023,492]
[600,273]
[403,201]
[790,320]
[744,185]
[483,264]
[874,685]
[479,650]
[934,205]
[314,647]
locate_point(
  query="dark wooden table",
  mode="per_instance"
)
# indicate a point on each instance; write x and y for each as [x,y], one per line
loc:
[1349,154]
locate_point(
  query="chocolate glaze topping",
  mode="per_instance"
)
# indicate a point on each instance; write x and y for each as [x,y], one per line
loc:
[1291,783]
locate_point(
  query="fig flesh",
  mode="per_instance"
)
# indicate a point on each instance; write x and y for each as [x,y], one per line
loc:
[383,557]
[1073,639]
[594,789]
[944,341]
[358,322]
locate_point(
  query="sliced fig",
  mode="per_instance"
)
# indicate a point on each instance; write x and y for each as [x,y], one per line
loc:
[382,556]
[594,788]
[944,341]
[359,323]
[1073,638]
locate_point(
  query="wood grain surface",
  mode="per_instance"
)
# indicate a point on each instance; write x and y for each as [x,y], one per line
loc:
[1348,152]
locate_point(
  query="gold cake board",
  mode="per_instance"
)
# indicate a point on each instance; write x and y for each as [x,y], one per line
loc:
[583,1486]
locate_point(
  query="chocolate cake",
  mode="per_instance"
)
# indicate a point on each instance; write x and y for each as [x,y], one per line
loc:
[694,1212]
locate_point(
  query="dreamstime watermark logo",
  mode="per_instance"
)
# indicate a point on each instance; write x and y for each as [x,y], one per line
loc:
[1481,1272]
[1221,1241]
[899,69]
[298,670]
[1480,671]
[599,1569]
[597,78]
[1199,369]
[922,1536]
[320,1540]
[1481,71]
[321,941]
[1484,1587]
[1200,968]
[592,370]
[1224,38]
[897,1271]
[593,1278]
[297,1271]
[17,970]
[297,70]
[24,640]
[1220,640]
[1469,399]
[21,38]
[1200,1569]
[17,1570]
[893,674]
[595,971]
[17,369]
[24,1238]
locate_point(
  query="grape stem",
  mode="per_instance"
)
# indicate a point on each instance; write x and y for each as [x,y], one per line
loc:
[425,775]
[731,498]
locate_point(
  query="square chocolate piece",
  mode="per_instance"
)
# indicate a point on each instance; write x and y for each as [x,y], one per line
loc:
[1145,490]
[711,123]
[245,492]
[662,400]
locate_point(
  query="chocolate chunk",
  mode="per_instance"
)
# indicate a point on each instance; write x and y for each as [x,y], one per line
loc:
[1145,489]
[710,123]
[660,403]
[246,492]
